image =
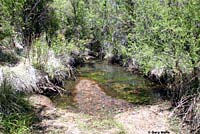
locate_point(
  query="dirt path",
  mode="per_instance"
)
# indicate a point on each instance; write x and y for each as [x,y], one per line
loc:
[98,113]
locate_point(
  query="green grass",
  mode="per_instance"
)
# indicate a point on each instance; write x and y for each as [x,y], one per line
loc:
[16,116]
[12,101]
[17,123]
[94,125]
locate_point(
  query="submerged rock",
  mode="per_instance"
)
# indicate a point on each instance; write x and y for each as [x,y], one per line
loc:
[116,59]
[132,65]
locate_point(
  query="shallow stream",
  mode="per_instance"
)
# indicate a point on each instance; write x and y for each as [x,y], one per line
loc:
[115,82]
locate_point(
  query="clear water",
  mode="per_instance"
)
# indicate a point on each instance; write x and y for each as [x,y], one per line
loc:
[115,82]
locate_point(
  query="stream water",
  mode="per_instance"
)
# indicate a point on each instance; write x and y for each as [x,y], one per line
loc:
[115,82]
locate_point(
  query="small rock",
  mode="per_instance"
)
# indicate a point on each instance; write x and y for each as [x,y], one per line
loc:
[132,65]
[157,74]
[40,101]
[116,59]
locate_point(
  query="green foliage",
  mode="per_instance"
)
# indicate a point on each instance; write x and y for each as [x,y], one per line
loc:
[166,36]
[10,17]
[169,29]
[39,53]
[160,33]
[15,112]
[59,44]
[17,123]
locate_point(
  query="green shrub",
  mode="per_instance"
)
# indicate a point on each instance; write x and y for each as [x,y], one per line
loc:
[165,35]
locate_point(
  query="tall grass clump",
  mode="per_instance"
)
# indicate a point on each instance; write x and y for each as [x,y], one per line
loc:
[15,112]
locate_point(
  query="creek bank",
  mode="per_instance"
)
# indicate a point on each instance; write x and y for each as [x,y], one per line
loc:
[124,118]
[68,121]
[143,119]
[28,77]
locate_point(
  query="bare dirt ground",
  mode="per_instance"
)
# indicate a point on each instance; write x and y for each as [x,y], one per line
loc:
[98,113]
